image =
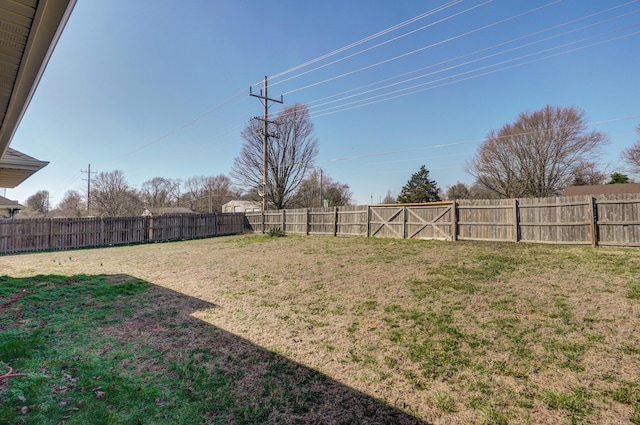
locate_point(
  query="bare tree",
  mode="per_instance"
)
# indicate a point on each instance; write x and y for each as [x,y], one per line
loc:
[290,156]
[193,192]
[175,191]
[631,155]
[156,192]
[535,156]
[112,196]
[208,194]
[480,191]
[587,173]
[337,194]
[458,191]
[389,198]
[38,203]
[318,186]
[72,204]
[308,194]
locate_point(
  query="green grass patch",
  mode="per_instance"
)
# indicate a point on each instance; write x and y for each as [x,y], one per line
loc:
[576,403]
[463,278]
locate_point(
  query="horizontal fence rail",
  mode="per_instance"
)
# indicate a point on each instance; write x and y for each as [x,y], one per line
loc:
[612,220]
[38,234]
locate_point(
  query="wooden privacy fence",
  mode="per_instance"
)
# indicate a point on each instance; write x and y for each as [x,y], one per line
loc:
[19,235]
[582,220]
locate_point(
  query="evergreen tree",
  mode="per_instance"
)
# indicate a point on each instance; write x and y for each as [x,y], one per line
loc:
[618,178]
[419,188]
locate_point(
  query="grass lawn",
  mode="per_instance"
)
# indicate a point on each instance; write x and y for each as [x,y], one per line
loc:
[253,330]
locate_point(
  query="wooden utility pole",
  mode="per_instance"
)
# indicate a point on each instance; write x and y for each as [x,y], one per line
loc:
[89,172]
[321,192]
[265,121]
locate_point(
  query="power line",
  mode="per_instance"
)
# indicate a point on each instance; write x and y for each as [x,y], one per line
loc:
[412,52]
[182,127]
[487,49]
[383,43]
[472,61]
[395,95]
[68,183]
[369,38]
[399,93]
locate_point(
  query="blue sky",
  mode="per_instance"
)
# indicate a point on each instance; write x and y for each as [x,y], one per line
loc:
[161,88]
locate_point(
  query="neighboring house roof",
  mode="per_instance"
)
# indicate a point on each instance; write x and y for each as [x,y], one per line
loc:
[9,204]
[167,210]
[602,189]
[241,206]
[29,31]
[9,208]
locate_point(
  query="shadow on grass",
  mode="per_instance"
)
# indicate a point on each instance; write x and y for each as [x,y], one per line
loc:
[115,349]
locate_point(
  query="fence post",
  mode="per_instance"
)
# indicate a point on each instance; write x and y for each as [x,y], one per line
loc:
[593,215]
[404,223]
[335,222]
[150,228]
[368,220]
[307,223]
[516,221]
[51,233]
[284,220]
[263,225]
[454,220]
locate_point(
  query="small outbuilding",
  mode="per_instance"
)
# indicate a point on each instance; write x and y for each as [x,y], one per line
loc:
[9,208]
[242,206]
[156,211]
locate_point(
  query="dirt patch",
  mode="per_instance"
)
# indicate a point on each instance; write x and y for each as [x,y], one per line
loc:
[120,278]
[8,302]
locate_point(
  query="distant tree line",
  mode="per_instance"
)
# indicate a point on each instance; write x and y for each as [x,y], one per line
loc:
[111,195]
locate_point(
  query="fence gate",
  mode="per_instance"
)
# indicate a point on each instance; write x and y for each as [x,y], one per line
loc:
[434,221]
[387,222]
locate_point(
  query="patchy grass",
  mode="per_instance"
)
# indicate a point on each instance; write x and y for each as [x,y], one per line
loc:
[310,330]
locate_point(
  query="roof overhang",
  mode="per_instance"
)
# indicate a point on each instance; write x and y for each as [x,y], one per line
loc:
[29,31]
[16,167]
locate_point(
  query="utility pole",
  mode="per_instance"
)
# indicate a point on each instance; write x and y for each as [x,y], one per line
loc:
[321,191]
[265,121]
[88,179]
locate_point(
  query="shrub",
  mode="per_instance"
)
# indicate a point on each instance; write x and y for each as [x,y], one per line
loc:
[276,232]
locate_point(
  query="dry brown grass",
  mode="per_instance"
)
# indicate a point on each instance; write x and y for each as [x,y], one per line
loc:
[451,332]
